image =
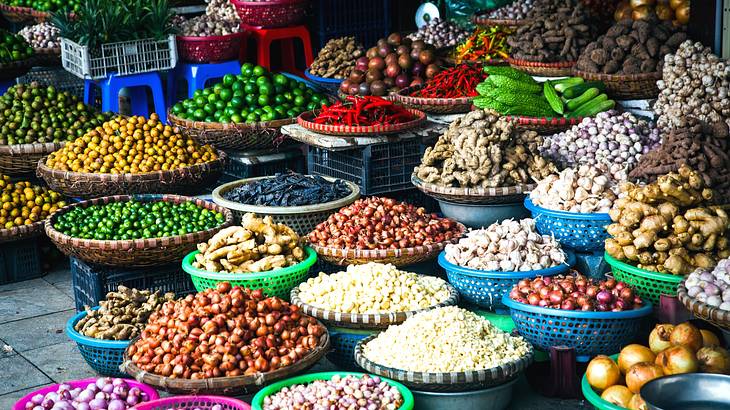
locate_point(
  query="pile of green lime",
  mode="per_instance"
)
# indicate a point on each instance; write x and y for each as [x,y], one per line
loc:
[46,5]
[13,47]
[255,95]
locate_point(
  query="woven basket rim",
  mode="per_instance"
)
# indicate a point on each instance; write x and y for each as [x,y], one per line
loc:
[47,51]
[594,216]
[22,232]
[702,310]
[32,148]
[219,126]
[20,64]
[28,11]
[644,310]
[200,39]
[282,210]
[268,2]
[403,97]
[540,64]
[636,271]
[304,120]
[191,270]
[464,270]
[81,339]
[133,244]
[428,187]
[655,75]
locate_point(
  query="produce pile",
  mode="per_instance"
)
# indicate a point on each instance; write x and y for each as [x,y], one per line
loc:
[32,113]
[208,25]
[258,245]
[394,63]
[373,288]
[611,140]
[454,82]
[576,292]
[449,339]
[516,10]
[13,47]
[484,44]
[702,146]
[672,350]
[695,83]
[337,58]
[666,226]
[364,111]
[483,149]
[252,96]
[676,11]
[631,47]
[130,145]
[585,189]
[711,287]
[22,203]
[289,189]
[366,392]
[222,9]
[123,220]
[506,246]
[383,223]
[440,33]
[45,5]
[103,394]
[43,35]
[122,315]
[197,335]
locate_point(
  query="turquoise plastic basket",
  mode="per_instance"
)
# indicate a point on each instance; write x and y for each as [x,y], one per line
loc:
[485,289]
[579,231]
[343,342]
[104,356]
[329,85]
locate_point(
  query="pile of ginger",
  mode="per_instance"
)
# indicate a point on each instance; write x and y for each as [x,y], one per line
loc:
[666,227]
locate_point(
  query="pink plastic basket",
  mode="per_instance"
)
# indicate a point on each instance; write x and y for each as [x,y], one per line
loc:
[20,405]
[209,49]
[272,13]
[192,402]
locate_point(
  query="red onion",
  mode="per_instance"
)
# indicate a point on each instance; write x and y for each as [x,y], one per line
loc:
[556,297]
[604,297]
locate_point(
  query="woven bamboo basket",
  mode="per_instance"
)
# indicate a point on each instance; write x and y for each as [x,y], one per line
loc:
[17,233]
[452,61]
[626,87]
[230,386]
[545,125]
[303,219]
[481,19]
[15,69]
[712,314]
[397,257]
[559,69]
[305,120]
[477,196]
[48,56]
[23,14]
[243,137]
[134,252]
[187,180]
[433,105]
[367,321]
[445,382]
[21,159]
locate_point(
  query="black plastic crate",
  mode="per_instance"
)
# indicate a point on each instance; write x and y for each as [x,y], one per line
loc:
[92,282]
[20,260]
[415,197]
[243,165]
[375,168]
[367,20]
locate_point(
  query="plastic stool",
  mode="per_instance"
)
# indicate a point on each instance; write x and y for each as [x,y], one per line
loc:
[286,35]
[135,83]
[196,75]
[4,85]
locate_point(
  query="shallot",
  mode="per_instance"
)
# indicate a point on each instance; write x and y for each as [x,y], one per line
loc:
[103,394]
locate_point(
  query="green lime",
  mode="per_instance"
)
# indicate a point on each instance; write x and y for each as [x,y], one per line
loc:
[263,80]
[252,117]
[280,79]
[228,79]
[279,99]
[212,98]
[258,71]
[263,99]
[266,89]
[236,118]
[199,114]
[200,101]
[226,94]
[299,101]
[251,100]
[177,108]
[238,86]
[219,105]
[247,69]
[236,102]
[250,88]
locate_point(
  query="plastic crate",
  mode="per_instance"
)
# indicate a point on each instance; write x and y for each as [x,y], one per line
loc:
[92,282]
[243,165]
[374,168]
[415,197]
[343,342]
[19,261]
[59,78]
[367,20]
[122,58]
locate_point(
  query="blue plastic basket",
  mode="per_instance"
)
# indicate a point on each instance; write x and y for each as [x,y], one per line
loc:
[104,356]
[485,289]
[589,333]
[582,232]
[328,85]
[343,342]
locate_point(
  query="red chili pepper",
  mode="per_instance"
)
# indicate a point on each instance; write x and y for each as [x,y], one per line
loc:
[363,111]
[459,81]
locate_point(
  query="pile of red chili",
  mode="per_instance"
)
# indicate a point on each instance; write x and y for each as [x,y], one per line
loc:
[363,111]
[455,82]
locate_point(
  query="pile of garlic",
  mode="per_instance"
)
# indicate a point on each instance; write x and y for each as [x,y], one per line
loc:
[585,190]
[509,246]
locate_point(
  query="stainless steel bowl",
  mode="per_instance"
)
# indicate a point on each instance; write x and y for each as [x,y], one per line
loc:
[478,216]
[494,398]
[694,391]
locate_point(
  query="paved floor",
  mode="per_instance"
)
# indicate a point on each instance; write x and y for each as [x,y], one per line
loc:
[35,352]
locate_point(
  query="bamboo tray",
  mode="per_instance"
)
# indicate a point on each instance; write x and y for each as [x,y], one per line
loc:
[480,196]
[305,120]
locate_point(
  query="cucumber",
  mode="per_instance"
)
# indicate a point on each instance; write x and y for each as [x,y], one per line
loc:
[596,100]
[565,83]
[552,97]
[594,108]
[577,90]
[584,98]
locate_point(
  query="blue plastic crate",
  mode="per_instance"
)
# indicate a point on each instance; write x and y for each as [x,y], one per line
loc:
[343,342]
[582,232]
[104,356]
[367,20]
[20,260]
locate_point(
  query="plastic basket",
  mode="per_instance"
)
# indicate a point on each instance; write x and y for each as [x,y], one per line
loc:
[579,231]
[209,49]
[329,85]
[258,400]
[367,20]
[589,333]
[20,404]
[122,58]
[193,402]
[485,289]
[594,398]
[104,356]
[374,168]
[19,261]
[278,282]
[92,282]
[59,78]
[646,284]
[343,342]
[271,13]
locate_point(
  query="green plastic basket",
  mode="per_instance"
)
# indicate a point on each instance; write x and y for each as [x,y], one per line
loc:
[278,282]
[648,285]
[258,400]
[594,398]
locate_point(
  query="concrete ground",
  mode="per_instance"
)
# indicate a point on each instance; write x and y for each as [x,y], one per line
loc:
[35,351]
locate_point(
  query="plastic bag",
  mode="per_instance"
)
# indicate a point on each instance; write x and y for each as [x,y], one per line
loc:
[462,10]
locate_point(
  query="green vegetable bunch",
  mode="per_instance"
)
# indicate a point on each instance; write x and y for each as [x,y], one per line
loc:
[254,95]
[46,5]
[13,47]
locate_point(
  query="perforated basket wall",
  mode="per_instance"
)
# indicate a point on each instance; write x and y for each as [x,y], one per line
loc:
[648,285]
[104,356]
[59,78]
[343,342]
[582,232]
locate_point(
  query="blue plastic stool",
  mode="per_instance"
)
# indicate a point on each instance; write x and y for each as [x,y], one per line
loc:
[196,75]
[4,85]
[135,83]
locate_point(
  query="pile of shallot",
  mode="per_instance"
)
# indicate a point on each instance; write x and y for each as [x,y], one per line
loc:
[104,394]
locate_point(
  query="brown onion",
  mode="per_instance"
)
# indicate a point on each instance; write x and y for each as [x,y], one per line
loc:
[602,372]
[714,360]
[659,337]
[640,373]
[686,334]
[618,395]
[709,339]
[632,354]
[637,403]
[678,359]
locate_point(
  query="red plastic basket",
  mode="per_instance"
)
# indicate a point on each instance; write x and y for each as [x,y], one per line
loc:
[273,13]
[209,49]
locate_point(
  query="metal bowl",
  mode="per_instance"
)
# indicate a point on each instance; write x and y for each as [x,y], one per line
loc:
[697,391]
[493,398]
[478,216]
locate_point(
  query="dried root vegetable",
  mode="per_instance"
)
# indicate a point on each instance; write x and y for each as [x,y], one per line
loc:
[122,315]
[482,149]
[665,227]
[258,245]
[337,58]
[585,189]
[508,246]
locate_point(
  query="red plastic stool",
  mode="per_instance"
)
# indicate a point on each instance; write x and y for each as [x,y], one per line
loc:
[286,35]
